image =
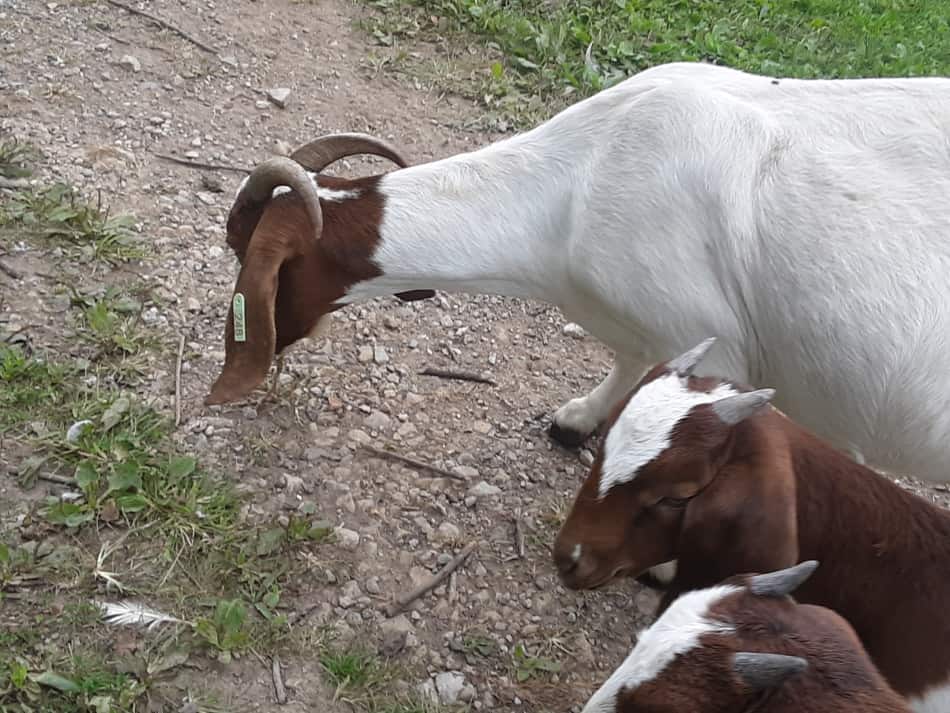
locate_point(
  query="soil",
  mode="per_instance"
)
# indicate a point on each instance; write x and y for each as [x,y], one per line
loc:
[100,92]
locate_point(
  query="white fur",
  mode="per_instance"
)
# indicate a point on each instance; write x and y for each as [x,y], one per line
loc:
[576,553]
[326,194]
[803,223]
[645,426]
[675,633]
[936,700]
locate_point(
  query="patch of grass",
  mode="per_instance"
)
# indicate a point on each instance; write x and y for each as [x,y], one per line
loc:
[31,388]
[15,158]
[576,47]
[60,216]
[111,321]
[527,666]
[349,669]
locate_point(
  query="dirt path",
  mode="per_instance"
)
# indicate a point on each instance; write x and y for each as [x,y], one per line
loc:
[99,92]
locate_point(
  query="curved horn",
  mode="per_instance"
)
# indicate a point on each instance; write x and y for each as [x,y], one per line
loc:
[782,582]
[684,364]
[317,155]
[763,671]
[280,171]
[733,409]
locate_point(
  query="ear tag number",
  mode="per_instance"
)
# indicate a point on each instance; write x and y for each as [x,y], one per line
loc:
[240,330]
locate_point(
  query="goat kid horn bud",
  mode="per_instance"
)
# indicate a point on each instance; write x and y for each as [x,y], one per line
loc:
[764,671]
[734,409]
[782,582]
[685,363]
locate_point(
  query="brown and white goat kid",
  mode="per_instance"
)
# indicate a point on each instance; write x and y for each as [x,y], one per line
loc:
[744,645]
[679,203]
[707,477]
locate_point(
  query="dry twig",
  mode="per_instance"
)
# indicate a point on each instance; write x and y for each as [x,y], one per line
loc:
[417,464]
[58,479]
[519,537]
[15,274]
[14,182]
[279,690]
[199,164]
[181,354]
[166,24]
[407,599]
[457,375]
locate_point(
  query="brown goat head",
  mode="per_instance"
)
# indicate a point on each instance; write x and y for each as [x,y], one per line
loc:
[745,645]
[299,253]
[671,482]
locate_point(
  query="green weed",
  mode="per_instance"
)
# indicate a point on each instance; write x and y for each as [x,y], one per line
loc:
[61,217]
[15,159]
[527,666]
[572,48]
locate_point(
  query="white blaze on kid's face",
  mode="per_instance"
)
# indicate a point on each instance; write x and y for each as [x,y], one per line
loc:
[645,426]
[675,633]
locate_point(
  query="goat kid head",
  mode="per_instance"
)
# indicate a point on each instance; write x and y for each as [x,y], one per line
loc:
[301,246]
[745,645]
[660,478]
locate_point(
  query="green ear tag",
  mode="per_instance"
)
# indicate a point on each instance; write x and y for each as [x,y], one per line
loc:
[240,331]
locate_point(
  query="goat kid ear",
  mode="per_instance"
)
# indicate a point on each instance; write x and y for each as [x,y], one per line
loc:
[782,582]
[734,409]
[685,363]
[250,336]
[761,672]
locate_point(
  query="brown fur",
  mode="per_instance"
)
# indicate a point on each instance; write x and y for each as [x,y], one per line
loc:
[766,494]
[840,677]
[290,281]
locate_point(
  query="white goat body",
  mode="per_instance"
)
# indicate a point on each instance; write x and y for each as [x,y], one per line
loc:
[805,223]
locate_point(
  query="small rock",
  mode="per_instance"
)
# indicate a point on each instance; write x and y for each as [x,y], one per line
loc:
[279,96]
[206,197]
[427,691]
[393,643]
[348,539]
[586,457]
[229,60]
[379,355]
[575,331]
[372,586]
[468,693]
[482,427]
[484,490]
[192,305]
[466,471]
[130,62]
[377,421]
[350,594]
[449,685]
[365,355]
[447,532]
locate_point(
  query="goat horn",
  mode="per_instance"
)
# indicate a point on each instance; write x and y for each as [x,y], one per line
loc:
[684,364]
[763,671]
[733,409]
[281,171]
[782,582]
[320,153]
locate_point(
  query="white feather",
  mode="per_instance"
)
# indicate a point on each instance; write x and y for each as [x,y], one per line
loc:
[129,613]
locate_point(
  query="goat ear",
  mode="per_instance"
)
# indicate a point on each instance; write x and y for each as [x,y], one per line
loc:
[685,363]
[250,335]
[783,582]
[761,672]
[733,409]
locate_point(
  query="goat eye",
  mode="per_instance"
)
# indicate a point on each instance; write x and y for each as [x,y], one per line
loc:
[673,502]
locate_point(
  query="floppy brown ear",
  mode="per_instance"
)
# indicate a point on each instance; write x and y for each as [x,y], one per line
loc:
[250,335]
[744,521]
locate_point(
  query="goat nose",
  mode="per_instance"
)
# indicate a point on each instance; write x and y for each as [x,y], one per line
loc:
[566,559]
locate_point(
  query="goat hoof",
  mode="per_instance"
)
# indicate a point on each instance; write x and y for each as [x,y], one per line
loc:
[567,437]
